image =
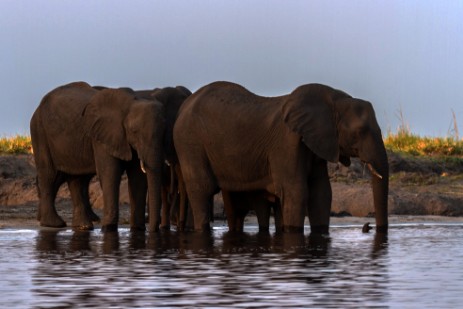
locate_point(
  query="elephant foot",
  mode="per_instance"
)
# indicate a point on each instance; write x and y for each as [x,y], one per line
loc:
[82,223]
[55,222]
[109,228]
[165,227]
[293,229]
[181,226]
[320,229]
[138,228]
[206,227]
[381,229]
[173,218]
[84,227]
[154,229]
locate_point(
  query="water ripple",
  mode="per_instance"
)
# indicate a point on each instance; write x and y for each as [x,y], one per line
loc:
[348,269]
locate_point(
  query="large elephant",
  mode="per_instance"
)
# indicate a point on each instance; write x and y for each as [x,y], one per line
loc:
[231,139]
[78,131]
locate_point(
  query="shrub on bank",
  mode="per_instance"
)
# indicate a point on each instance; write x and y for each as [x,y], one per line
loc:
[402,142]
[15,145]
[409,143]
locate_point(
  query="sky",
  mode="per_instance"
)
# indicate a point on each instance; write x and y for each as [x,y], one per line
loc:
[405,57]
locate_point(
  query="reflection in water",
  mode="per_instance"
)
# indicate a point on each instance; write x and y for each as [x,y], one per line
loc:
[130,269]
[348,269]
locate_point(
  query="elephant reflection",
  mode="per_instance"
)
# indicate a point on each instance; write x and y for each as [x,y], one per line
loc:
[54,241]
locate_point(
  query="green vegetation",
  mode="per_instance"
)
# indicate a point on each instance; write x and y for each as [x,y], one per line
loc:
[401,142]
[408,143]
[15,144]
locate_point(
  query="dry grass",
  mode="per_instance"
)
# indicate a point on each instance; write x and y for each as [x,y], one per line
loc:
[403,142]
[409,143]
[15,145]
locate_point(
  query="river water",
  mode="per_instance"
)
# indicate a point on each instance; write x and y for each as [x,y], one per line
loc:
[415,266]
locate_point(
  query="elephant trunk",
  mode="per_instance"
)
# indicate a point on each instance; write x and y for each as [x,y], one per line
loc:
[380,198]
[152,160]
[378,164]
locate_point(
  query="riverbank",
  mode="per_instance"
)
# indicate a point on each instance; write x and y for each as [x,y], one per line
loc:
[422,189]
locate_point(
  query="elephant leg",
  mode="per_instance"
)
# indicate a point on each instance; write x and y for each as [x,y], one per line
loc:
[201,203]
[86,198]
[189,224]
[166,208]
[320,196]
[80,218]
[229,210]
[109,171]
[174,209]
[48,183]
[183,200]
[262,208]
[295,199]
[169,193]
[242,202]
[236,205]
[277,216]
[200,186]
[138,188]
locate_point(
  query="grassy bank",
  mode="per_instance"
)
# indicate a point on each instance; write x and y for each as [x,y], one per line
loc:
[401,142]
[15,144]
[415,145]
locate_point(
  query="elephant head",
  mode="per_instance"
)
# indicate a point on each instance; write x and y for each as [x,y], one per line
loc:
[171,98]
[124,126]
[360,136]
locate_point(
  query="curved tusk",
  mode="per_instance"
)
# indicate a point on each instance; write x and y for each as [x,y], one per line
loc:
[373,171]
[142,165]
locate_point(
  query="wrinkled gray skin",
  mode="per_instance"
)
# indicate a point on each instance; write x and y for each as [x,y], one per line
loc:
[231,139]
[172,190]
[78,131]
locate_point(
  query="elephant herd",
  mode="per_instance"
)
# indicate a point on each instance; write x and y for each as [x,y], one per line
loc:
[178,147]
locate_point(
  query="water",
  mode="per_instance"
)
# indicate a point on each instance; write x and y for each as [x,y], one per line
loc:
[416,266]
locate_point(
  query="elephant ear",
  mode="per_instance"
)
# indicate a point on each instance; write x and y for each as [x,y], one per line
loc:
[104,119]
[309,112]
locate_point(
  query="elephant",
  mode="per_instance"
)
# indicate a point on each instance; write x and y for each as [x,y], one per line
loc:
[231,139]
[78,131]
[172,190]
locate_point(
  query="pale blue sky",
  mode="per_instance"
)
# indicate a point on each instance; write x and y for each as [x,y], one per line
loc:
[400,55]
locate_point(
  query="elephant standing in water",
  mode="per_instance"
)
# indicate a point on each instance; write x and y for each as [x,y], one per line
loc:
[231,139]
[78,131]
[172,185]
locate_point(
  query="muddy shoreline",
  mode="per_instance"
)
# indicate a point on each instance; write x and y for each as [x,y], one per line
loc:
[421,190]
